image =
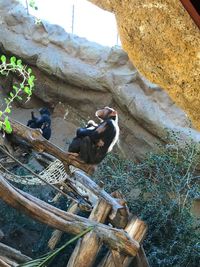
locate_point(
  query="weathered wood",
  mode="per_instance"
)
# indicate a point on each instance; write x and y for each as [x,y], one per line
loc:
[12,254]
[35,138]
[140,260]
[137,230]
[56,235]
[117,261]
[64,221]
[3,263]
[119,214]
[88,247]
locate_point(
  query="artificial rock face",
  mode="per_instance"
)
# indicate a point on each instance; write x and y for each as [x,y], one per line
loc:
[163,42]
[84,76]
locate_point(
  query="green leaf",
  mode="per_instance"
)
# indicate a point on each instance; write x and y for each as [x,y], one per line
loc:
[19,62]
[1,113]
[8,127]
[27,90]
[3,59]
[7,110]
[29,70]
[6,100]
[19,97]
[15,88]
[30,82]
[12,61]
[11,94]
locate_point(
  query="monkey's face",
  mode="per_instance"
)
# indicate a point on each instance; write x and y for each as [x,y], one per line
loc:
[105,113]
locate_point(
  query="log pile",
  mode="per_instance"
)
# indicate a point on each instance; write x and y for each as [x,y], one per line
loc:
[112,224]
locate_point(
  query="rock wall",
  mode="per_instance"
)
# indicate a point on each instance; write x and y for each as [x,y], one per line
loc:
[163,42]
[86,76]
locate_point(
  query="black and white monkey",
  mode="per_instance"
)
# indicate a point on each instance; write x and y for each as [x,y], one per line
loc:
[43,122]
[94,141]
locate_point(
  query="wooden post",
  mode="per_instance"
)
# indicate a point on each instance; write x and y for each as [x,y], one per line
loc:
[140,260]
[56,235]
[87,248]
[136,229]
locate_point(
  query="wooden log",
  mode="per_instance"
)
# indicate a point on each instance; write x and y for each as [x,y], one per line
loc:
[56,235]
[116,258]
[88,247]
[119,214]
[13,254]
[115,238]
[35,138]
[3,263]
[137,230]
[141,260]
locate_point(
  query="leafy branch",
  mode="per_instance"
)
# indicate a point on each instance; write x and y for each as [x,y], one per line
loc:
[26,86]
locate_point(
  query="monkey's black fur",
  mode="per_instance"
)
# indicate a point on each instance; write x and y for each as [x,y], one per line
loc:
[43,122]
[94,141]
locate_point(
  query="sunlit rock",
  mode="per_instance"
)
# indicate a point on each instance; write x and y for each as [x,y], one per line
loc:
[163,42]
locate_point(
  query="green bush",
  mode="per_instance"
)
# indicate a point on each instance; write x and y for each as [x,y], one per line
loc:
[160,190]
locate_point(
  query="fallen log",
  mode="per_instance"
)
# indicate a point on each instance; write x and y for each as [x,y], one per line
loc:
[115,238]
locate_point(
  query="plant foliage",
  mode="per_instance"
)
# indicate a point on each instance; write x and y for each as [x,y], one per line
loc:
[160,190]
[14,65]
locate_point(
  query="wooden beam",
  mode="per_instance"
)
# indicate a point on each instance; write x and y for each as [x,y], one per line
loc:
[115,238]
[56,235]
[119,214]
[13,254]
[88,247]
[35,138]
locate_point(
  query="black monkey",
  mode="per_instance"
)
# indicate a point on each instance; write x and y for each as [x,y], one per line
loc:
[43,123]
[94,141]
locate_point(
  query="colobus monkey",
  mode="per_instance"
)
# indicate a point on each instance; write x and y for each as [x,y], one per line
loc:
[94,141]
[43,123]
